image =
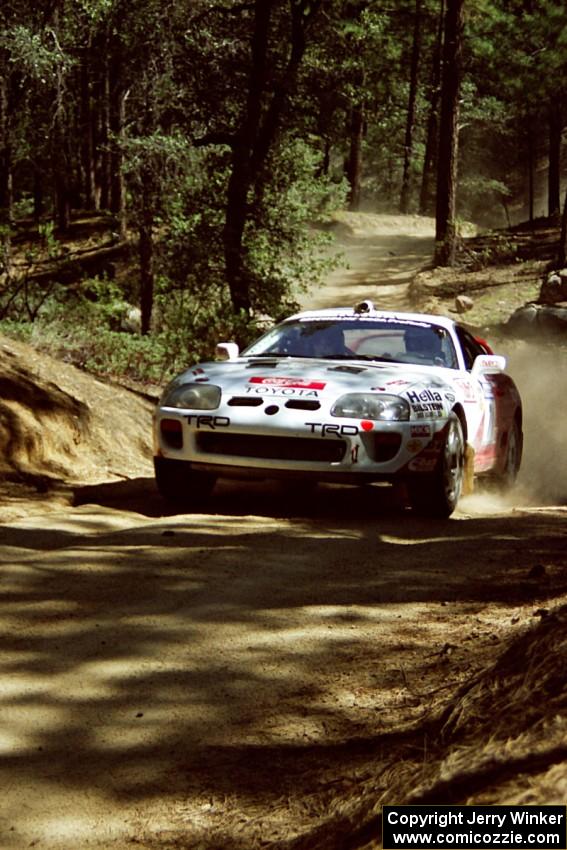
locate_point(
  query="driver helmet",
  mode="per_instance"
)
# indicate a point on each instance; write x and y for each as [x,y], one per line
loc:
[330,340]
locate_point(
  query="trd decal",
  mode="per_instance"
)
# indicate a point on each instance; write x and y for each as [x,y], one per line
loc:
[326,430]
[289,382]
[208,421]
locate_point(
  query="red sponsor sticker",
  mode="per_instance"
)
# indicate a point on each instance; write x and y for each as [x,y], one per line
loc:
[289,382]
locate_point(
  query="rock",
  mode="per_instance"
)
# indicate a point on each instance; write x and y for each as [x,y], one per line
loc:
[463,303]
[542,319]
[131,321]
[524,319]
[554,288]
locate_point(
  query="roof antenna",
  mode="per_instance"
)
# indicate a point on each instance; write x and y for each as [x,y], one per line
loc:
[364,307]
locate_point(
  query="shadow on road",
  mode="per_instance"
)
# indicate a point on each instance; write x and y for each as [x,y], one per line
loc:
[241,498]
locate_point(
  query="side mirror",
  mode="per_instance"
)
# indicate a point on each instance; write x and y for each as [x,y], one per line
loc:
[227,351]
[485,364]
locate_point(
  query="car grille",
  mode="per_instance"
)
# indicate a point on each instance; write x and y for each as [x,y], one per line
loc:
[330,450]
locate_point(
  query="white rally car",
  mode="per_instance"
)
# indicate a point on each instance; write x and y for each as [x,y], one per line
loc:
[351,395]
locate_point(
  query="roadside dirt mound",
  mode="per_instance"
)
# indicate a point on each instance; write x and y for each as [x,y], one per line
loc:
[60,426]
[501,740]
[504,739]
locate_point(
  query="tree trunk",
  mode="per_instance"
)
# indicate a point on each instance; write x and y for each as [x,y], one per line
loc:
[5,183]
[61,177]
[255,137]
[241,172]
[38,197]
[554,173]
[405,194]
[562,255]
[430,156]
[87,135]
[117,123]
[445,225]
[326,164]
[60,146]
[531,171]
[104,141]
[354,163]
[146,253]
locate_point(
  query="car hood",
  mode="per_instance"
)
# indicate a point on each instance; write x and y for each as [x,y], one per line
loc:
[289,376]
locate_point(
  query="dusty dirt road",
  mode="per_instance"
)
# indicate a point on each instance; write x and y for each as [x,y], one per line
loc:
[263,674]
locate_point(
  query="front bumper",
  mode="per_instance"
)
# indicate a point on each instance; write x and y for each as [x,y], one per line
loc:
[235,442]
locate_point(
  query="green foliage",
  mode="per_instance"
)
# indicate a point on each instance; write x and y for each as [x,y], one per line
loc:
[36,55]
[82,326]
[283,253]
[183,74]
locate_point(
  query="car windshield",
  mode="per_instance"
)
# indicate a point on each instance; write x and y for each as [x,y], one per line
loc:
[396,340]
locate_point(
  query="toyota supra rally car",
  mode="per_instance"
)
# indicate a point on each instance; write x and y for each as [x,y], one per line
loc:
[348,395]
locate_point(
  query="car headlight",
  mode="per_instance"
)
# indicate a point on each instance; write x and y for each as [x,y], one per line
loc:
[191,396]
[389,408]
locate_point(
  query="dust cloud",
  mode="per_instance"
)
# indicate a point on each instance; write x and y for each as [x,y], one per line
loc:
[540,372]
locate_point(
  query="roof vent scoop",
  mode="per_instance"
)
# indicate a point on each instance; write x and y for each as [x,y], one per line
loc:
[364,307]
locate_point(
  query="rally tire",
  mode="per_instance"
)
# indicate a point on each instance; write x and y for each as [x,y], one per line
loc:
[513,458]
[437,494]
[180,485]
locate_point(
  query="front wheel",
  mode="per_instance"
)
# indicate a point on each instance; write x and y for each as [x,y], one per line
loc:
[181,486]
[437,494]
